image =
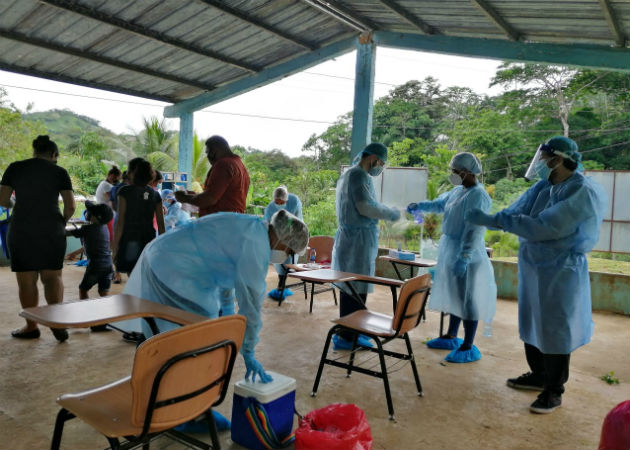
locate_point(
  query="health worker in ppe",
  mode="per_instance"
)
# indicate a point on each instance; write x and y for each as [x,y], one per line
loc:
[356,240]
[463,284]
[189,267]
[557,221]
[291,203]
[174,216]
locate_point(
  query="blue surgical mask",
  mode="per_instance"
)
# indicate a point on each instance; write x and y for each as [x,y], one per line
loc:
[542,170]
[375,171]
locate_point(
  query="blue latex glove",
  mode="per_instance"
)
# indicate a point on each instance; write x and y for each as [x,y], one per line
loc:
[478,217]
[411,207]
[395,215]
[255,368]
[460,267]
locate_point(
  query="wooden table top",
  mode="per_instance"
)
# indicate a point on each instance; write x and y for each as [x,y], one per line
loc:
[418,262]
[100,311]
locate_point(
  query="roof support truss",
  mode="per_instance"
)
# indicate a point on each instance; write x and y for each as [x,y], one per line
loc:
[342,14]
[73,6]
[258,23]
[100,59]
[594,56]
[79,82]
[609,15]
[262,78]
[412,19]
[496,18]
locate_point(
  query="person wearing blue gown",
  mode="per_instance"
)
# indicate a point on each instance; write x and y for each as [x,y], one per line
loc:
[282,199]
[174,216]
[190,266]
[356,240]
[463,284]
[557,221]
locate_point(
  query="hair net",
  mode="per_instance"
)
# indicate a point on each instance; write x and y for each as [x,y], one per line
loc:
[167,193]
[466,161]
[281,193]
[375,148]
[563,146]
[290,230]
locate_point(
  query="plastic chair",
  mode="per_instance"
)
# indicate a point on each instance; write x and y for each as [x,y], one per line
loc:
[382,329]
[177,376]
[323,246]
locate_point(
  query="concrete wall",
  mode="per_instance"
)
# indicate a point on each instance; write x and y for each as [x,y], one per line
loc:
[609,292]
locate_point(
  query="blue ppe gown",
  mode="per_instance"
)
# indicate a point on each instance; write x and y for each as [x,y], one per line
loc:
[175,216]
[294,206]
[190,268]
[557,225]
[358,212]
[472,296]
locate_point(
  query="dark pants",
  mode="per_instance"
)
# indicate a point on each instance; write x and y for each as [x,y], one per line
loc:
[554,369]
[347,305]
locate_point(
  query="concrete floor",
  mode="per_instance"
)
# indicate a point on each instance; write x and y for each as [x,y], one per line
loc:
[465,406]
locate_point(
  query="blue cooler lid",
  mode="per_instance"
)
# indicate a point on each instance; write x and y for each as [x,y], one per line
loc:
[266,392]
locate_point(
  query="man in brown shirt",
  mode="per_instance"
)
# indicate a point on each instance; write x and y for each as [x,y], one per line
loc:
[227,182]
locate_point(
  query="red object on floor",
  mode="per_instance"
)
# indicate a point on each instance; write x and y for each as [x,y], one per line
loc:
[334,427]
[616,428]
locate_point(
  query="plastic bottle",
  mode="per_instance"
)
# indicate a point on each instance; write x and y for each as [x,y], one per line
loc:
[313,257]
[487,329]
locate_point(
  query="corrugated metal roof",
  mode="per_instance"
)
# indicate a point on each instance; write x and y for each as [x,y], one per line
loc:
[173,50]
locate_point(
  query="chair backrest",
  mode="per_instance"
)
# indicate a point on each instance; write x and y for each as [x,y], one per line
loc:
[179,364]
[323,245]
[411,302]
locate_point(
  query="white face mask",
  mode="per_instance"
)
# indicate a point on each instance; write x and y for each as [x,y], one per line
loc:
[278,256]
[455,179]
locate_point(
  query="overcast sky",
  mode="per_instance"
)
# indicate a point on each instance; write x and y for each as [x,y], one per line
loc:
[281,115]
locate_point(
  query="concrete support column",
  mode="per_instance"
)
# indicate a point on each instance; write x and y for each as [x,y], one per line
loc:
[363,94]
[184,162]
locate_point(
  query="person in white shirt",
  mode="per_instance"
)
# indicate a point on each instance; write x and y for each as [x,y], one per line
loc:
[102,191]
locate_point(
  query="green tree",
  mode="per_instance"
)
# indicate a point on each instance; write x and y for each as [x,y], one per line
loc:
[331,148]
[157,144]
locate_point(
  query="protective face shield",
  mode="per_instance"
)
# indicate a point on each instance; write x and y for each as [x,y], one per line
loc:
[290,230]
[278,256]
[538,167]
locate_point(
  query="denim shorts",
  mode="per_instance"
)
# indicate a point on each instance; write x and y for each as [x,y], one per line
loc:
[94,275]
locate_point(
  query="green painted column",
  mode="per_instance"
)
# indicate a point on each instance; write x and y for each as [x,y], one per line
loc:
[184,163]
[363,95]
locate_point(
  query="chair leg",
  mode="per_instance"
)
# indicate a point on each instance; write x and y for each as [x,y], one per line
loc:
[305,294]
[114,443]
[335,296]
[321,361]
[352,353]
[412,362]
[62,416]
[213,430]
[388,394]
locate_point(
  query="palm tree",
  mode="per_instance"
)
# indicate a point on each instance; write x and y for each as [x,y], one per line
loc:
[200,163]
[156,144]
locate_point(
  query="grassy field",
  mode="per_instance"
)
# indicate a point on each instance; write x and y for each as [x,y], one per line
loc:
[594,265]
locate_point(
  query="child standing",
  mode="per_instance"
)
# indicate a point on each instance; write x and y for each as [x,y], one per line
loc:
[95,238]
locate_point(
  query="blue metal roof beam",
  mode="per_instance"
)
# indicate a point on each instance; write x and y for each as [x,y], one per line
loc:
[77,8]
[79,82]
[258,23]
[15,36]
[580,55]
[262,78]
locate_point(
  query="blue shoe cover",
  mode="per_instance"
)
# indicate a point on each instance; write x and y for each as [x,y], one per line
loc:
[201,426]
[277,295]
[445,344]
[340,343]
[81,263]
[464,356]
[365,341]
[287,292]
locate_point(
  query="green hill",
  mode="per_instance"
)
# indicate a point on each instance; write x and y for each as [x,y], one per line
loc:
[66,127]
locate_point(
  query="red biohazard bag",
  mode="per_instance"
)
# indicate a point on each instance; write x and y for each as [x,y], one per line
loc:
[616,428]
[334,427]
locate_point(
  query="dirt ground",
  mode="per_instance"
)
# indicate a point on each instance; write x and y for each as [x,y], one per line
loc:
[464,406]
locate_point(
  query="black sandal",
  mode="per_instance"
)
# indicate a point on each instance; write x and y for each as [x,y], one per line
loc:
[32,334]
